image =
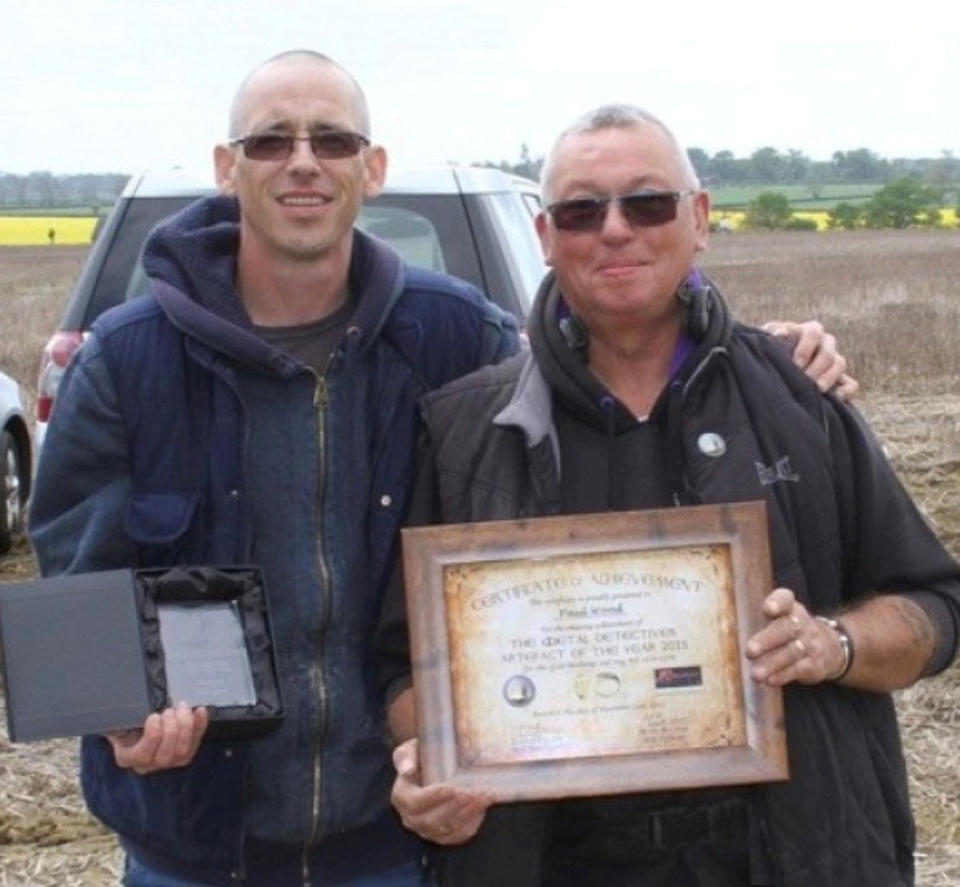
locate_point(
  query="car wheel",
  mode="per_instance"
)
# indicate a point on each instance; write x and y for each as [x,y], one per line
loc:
[11,515]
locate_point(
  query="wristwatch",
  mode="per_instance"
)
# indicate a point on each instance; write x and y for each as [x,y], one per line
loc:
[846,644]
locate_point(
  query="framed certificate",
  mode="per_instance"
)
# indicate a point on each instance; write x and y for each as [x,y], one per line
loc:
[593,654]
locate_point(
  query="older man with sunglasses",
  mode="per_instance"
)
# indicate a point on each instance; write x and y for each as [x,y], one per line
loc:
[641,391]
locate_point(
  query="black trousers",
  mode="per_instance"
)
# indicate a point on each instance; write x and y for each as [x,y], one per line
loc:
[530,845]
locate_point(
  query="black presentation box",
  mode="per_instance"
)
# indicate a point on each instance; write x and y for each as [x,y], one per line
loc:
[96,652]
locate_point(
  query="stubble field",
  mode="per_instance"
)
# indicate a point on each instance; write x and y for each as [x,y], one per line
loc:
[891,299]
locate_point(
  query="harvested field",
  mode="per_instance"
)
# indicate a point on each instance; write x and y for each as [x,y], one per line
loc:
[889,298]
[34,283]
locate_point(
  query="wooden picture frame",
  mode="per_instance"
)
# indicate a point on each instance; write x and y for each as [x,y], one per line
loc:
[593,654]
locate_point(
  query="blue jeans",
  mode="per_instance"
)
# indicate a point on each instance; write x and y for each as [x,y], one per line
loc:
[409,874]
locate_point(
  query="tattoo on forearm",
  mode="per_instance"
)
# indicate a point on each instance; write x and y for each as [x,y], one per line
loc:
[922,632]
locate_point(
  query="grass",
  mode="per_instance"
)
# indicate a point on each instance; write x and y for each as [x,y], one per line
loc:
[34,284]
[87,209]
[733,196]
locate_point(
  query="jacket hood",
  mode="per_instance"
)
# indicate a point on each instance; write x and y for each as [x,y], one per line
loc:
[191,261]
[560,341]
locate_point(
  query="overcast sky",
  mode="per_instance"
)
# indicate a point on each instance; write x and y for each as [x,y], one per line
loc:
[121,85]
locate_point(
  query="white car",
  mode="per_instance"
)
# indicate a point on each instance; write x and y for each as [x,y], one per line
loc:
[15,461]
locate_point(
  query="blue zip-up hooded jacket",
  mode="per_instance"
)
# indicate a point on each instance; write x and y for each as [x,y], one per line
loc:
[181,437]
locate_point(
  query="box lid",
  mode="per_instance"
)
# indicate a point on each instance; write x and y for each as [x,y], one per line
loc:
[72,655]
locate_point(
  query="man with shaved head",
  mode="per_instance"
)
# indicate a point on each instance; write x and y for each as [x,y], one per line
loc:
[641,391]
[271,376]
[258,407]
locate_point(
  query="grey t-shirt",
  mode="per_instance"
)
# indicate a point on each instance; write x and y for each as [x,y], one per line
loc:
[311,343]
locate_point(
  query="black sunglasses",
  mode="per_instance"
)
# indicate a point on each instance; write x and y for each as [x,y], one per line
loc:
[327,144]
[641,210]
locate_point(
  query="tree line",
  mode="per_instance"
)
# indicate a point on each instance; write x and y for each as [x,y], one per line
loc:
[769,166]
[902,203]
[44,189]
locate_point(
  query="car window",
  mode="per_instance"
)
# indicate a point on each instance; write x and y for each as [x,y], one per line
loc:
[138,282]
[447,219]
[430,230]
[410,233]
[513,218]
[139,218]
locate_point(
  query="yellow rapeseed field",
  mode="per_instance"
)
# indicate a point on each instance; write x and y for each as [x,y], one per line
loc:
[732,220]
[819,216]
[35,230]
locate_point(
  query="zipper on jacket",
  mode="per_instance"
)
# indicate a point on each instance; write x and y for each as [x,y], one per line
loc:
[320,401]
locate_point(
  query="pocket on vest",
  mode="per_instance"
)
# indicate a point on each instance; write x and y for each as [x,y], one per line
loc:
[157,522]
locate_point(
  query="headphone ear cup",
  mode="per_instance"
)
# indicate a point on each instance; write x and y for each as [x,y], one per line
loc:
[700,317]
[696,301]
[574,333]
